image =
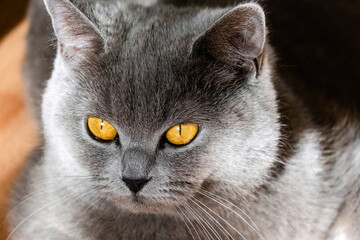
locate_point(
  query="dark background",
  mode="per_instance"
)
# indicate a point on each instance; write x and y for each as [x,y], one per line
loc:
[11,12]
[317,43]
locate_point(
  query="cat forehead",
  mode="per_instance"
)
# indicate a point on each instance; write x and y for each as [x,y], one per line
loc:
[148,46]
[143,78]
[134,97]
[134,27]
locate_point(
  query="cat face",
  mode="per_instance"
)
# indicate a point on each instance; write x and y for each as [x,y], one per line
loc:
[143,71]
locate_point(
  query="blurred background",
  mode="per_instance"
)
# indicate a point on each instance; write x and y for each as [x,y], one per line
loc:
[317,43]
[11,12]
[17,133]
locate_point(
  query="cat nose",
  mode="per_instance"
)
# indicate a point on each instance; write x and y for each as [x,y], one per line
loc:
[136,164]
[135,185]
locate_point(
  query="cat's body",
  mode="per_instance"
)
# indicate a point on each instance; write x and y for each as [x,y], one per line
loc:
[259,147]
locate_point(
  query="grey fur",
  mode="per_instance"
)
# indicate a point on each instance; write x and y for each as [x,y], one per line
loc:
[145,69]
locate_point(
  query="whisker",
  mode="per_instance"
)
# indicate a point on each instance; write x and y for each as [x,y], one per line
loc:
[279,161]
[224,220]
[192,225]
[241,217]
[231,203]
[76,176]
[207,223]
[91,205]
[48,188]
[198,221]
[187,226]
[56,178]
[43,191]
[62,200]
[220,226]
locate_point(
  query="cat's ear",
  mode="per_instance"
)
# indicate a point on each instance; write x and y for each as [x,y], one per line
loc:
[78,38]
[237,37]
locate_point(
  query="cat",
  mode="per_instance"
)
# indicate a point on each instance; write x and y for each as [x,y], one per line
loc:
[167,120]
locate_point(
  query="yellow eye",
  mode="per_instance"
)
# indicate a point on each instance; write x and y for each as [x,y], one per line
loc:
[101,129]
[182,134]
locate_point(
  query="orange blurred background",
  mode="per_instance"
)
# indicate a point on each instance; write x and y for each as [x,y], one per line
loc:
[17,131]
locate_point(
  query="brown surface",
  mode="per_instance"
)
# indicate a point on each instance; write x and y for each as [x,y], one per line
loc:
[17,132]
[11,12]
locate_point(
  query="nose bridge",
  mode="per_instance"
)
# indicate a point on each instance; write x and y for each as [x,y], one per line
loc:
[136,163]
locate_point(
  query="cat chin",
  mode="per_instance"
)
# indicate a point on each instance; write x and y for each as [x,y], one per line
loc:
[144,205]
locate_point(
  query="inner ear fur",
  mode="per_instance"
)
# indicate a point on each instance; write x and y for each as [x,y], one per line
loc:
[236,38]
[78,38]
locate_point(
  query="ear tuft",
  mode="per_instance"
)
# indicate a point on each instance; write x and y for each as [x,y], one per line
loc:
[236,37]
[78,38]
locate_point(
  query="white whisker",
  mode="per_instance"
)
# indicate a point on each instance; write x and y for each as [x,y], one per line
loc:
[222,229]
[43,191]
[225,200]
[118,217]
[192,225]
[62,200]
[237,214]
[91,205]
[187,226]
[207,223]
[231,203]
[64,176]
[224,220]
[190,210]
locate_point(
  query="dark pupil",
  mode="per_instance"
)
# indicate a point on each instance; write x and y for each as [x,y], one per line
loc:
[180,129]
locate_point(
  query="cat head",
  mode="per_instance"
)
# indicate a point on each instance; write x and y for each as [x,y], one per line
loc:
[146,74]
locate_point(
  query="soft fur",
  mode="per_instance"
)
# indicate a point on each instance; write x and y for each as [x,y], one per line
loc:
[259,168]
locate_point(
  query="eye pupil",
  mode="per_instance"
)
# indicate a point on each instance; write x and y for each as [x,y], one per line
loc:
[101,129]
[182,134]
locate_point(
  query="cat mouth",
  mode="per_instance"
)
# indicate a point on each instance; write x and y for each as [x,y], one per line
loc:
[139,204]
[140,200]
[143,204]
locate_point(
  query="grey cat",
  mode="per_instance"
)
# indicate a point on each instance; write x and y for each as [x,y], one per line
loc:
[257,167]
